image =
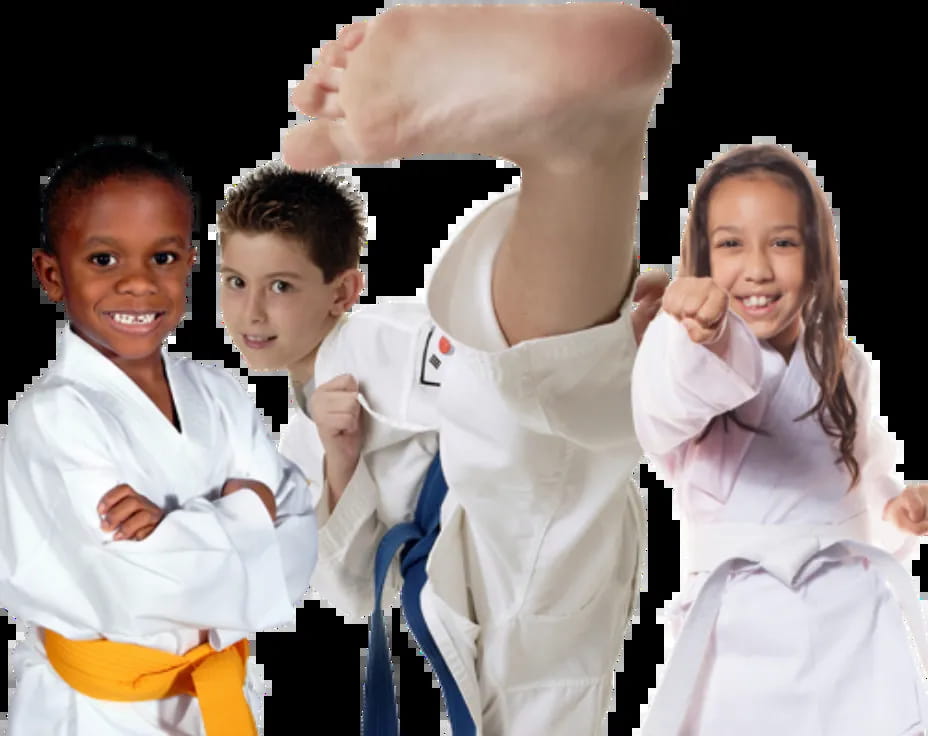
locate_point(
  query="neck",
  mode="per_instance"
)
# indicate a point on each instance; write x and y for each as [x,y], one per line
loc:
[147,370]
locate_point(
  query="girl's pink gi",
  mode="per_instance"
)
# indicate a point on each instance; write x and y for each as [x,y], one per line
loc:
[809,639]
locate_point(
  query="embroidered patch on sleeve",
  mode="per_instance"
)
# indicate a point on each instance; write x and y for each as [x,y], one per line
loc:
[438,349]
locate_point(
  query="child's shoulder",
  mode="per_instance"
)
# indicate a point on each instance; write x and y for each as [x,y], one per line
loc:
[390,316]
[857,366]
[386,331]
[54,402]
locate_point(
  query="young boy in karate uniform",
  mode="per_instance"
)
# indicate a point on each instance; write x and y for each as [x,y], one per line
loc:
[147,522]
[517,369]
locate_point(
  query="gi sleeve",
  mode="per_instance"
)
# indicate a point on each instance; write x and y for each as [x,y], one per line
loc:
[350,533]
[295,525]
[206,565]
[348,541]
[875,451]
[678,386]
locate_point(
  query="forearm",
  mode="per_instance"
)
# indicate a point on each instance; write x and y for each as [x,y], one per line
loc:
[337,473]
[678,386]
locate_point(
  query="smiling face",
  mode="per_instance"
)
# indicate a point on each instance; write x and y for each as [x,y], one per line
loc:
[757,254]
[121,267]
[275,302]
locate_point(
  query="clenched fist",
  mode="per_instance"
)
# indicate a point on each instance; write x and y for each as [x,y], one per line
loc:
[909,510]
[335,410]
[699,304]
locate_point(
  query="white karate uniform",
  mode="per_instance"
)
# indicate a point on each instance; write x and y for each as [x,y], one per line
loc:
[533,576]
[214,569]
[811,642]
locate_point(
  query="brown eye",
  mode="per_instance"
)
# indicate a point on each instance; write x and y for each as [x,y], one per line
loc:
[173,257]
[95,256]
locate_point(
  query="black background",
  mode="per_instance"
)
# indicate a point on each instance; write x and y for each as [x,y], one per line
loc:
[213,94]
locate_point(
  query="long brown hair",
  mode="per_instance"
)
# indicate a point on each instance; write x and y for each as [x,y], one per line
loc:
[823,310]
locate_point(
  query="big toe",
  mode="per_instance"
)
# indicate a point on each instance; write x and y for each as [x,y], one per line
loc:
[318,144]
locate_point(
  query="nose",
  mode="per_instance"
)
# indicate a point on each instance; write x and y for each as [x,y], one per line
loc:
[757,266]
[254,307]
[137,280]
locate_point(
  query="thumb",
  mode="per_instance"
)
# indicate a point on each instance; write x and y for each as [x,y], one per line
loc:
[650,286]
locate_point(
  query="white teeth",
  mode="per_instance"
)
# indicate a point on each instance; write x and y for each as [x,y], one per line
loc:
[135,319]
[758,301]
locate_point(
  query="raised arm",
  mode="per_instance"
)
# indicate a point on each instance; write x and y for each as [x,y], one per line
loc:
[678,386]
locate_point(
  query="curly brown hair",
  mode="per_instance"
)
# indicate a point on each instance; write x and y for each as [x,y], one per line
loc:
[824,309]
[317,210]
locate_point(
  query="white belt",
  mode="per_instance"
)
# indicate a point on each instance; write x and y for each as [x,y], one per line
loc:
[783,550]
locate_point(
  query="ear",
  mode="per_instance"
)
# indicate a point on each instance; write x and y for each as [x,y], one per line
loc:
[348,287]
[48,270]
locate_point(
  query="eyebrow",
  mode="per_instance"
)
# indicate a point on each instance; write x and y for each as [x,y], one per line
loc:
[775,228]
[105,240]
[279,274]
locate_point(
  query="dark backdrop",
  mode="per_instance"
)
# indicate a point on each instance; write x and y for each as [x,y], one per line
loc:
[213,94]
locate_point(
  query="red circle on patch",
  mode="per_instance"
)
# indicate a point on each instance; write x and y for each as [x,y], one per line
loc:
[444,345]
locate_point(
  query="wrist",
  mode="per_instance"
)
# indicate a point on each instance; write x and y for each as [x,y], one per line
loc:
[719,343]
[337,475]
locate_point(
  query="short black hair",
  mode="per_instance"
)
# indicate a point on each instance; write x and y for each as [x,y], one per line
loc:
[92,165]
[319,210]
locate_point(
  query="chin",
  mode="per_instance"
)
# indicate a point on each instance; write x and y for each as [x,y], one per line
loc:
[258,365]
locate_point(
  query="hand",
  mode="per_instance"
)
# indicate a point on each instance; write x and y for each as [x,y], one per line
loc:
[129,512]
[909,510]
[337,414]
[699,304]
[649,288]
[264,493]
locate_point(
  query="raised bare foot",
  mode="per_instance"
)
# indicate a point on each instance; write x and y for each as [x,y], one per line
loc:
[519,83]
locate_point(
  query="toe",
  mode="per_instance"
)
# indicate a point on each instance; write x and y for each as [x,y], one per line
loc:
[318,144]
[352,35]
[310,95]
[334,54]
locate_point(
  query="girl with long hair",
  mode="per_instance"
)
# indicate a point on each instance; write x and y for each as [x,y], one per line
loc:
[754,405]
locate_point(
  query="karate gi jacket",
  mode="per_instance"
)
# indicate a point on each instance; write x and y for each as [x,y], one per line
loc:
[214,569]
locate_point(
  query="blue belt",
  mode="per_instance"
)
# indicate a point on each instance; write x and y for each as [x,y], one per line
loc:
[416,538]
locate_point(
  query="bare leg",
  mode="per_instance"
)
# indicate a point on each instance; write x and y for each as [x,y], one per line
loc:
[564,91]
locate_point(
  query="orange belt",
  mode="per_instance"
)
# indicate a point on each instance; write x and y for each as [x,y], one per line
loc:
[109,670]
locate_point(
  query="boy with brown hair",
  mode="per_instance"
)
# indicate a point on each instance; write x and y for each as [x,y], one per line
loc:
[518,368]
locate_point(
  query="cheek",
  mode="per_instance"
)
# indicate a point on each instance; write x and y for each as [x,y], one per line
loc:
[723,272]
[794,273]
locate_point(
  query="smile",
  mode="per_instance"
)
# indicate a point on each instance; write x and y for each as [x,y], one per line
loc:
[756,305]
[257,342]
[135,323]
